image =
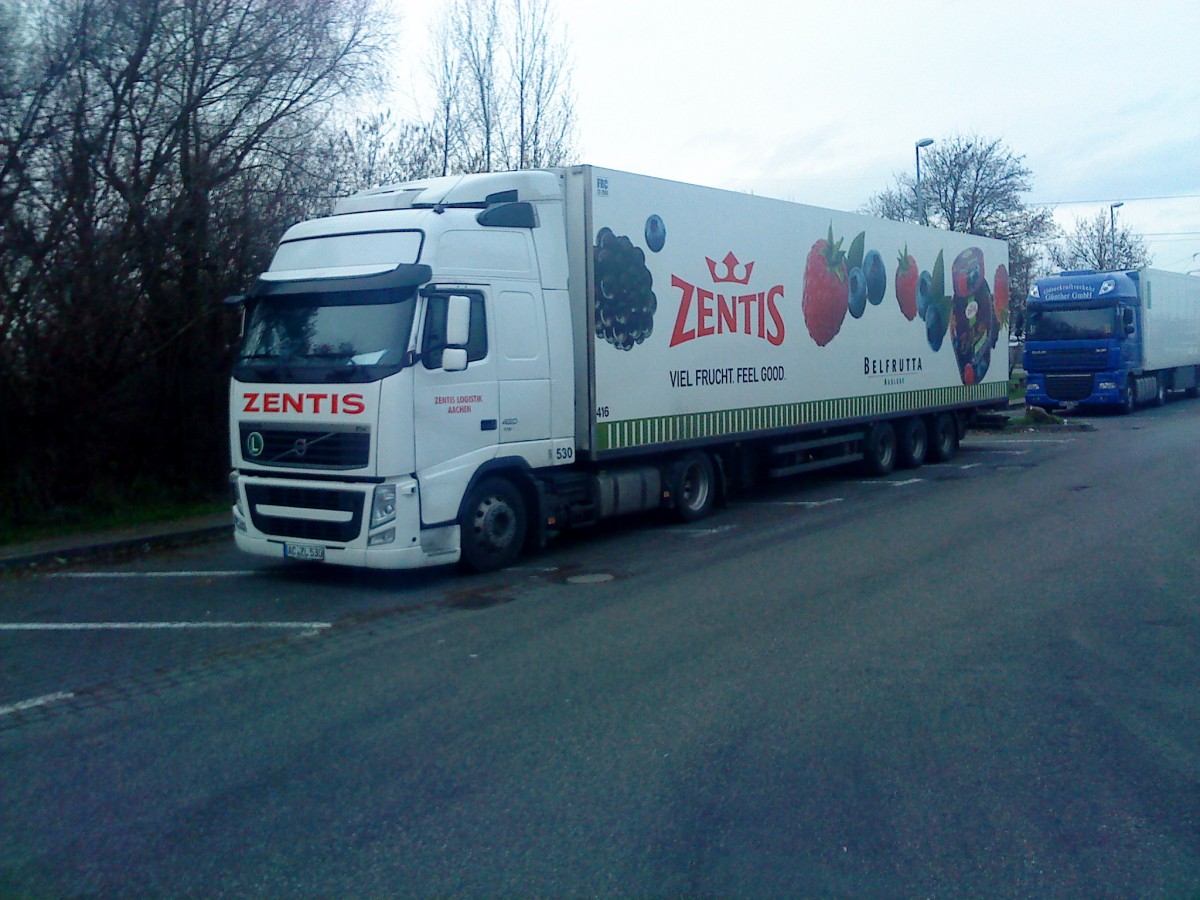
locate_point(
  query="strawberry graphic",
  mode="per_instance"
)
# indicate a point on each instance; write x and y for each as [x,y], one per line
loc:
[906,285]
[1000,298]
[826,289]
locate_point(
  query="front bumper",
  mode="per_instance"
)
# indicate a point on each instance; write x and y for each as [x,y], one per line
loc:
[286,518]
[1074,389]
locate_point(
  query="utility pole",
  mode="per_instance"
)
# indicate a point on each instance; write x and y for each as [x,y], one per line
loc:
[1112,228]
[924,142]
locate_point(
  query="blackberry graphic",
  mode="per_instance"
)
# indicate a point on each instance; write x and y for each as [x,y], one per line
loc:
[625,301]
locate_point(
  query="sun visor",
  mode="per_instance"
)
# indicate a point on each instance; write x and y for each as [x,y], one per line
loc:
[346,279]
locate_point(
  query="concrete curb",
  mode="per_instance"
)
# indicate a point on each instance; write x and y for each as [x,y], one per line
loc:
[50,555]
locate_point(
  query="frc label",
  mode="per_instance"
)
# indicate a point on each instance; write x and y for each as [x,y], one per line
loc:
[287,402]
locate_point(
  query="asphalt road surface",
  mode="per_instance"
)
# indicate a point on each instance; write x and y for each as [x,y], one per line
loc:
[976,678]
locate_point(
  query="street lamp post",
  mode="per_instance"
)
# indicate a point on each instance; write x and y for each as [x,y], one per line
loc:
[924,142]
[1112,229]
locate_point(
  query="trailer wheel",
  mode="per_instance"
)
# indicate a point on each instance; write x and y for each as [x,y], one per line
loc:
[1160,390]
[493,525]
[694,487]
[879,448]
[913,443]
[944,444]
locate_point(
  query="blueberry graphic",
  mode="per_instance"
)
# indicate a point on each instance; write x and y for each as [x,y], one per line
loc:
[858,292]
[656,233]
[876,275]
[935,325]
[924,293]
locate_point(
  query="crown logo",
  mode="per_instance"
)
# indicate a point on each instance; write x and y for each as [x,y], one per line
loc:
[731,263]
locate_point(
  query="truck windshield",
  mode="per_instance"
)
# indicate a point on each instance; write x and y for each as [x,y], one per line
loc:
[1072,324]
[343,336]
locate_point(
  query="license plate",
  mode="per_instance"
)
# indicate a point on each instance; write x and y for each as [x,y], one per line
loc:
[304,551]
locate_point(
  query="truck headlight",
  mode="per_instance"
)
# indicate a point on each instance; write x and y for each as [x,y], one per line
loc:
[383,505]
[1108,385]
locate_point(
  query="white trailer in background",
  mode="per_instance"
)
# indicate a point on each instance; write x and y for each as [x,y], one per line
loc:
[1116,339]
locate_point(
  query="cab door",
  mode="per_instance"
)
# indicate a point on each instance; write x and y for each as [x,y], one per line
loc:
[522,364]
[456,413]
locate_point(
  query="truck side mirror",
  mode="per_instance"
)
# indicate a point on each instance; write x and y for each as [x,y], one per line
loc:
[238,302]
[458,320]
[1127,318]
[458,333]
[454,359]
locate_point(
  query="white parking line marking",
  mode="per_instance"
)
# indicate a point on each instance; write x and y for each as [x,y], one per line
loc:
[44,700]
[971,466]
[218,573]
[154,626]
[700,532]
[1025,441]
[807,504]
[904,483]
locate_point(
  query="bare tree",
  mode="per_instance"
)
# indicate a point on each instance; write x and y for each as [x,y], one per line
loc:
[502,83]
[377,150]
[975,185]
[476,25]
[445,72]
[1095,245]
[143,147]
[541,100]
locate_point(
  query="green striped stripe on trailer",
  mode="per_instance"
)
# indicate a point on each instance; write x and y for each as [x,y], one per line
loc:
[631,433]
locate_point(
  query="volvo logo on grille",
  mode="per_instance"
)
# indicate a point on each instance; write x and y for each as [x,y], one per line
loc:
[255,443]
[300,447]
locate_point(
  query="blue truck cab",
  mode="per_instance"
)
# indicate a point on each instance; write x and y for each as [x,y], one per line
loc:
[1107,339]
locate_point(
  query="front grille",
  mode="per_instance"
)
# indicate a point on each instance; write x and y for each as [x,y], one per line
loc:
[1087,359]
[305,448]
[301,499]
[1066,388]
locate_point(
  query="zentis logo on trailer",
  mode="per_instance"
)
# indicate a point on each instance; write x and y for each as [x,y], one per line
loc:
[314,402]
[725,309]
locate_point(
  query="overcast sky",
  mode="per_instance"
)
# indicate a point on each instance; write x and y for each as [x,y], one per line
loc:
[822,102]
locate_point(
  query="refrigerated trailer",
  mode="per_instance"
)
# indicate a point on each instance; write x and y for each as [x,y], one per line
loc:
[1115,339]
[458,368]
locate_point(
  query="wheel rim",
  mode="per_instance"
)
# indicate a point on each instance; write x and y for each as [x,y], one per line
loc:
[495,525]
[944,437]
[880,449]
[887,448]
[919,444]
[695,487]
